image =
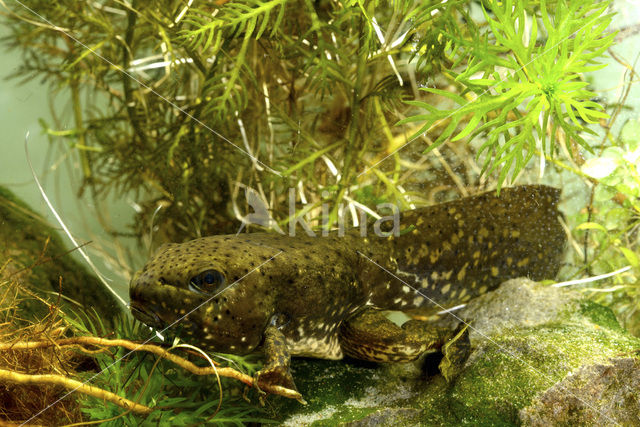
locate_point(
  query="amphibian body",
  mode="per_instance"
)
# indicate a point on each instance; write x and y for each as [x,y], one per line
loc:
[320,296]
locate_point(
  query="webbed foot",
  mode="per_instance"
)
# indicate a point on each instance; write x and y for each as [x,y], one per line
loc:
[276,372]
[274,375]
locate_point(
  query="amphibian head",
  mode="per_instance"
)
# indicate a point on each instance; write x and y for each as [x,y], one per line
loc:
[195,289]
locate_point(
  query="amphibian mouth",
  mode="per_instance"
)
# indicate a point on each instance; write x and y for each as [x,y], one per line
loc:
[320,296]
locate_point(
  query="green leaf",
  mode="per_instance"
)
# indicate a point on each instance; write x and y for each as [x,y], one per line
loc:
[591,226]
[631,256]
[473,123]
[457,98]
[604,193]
[630,134]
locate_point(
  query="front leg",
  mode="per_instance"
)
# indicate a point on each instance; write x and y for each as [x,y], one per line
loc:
[278,360]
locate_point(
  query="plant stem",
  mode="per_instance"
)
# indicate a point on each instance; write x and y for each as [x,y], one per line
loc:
[364,32]
[77,116]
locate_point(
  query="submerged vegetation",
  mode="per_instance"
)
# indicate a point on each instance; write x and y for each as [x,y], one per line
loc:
[524,88]
[186,105]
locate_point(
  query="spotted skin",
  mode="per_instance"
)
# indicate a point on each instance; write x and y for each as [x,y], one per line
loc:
[370,335]
[449,252]
[278,360]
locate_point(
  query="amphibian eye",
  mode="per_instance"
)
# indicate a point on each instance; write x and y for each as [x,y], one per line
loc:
[206,282]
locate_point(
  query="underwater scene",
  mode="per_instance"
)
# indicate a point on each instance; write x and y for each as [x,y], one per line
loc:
[320,212]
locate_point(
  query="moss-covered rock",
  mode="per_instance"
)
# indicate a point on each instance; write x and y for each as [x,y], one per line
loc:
[528,339]
[602,394]
[32,253]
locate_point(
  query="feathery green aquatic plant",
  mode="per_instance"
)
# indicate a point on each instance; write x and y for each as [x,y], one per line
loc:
[523,88]
[188,104]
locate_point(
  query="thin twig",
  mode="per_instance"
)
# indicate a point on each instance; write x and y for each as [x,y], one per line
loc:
[53,379]
[159,351]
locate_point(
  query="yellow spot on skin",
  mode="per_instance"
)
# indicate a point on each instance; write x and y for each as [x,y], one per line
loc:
[434,275]
[445,289]
[515,233]
[509,261]
[415,231]
[490,245]
[523,262]
[447,275]
[483,289]
[483,232]
[494,271]
[452,210]
[434,256]
[453,294]
[446,246]
[460,223]
[424,251]
[462,272]
[455,239]
[463,293]
[476,255]
[407,252]
[474,284]
[420,221]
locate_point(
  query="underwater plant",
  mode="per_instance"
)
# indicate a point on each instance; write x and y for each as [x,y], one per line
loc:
[608,229]
[523,90]
[188,104]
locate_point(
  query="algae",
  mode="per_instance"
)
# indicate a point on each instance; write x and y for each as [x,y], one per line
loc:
[33,252]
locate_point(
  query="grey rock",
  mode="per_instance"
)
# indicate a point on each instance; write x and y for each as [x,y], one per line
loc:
[602,394]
